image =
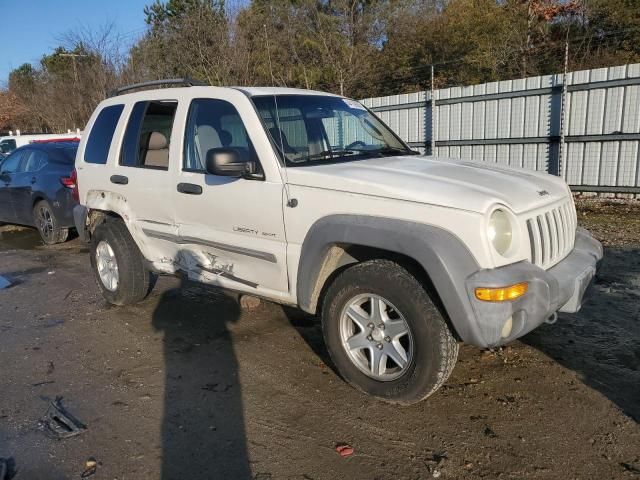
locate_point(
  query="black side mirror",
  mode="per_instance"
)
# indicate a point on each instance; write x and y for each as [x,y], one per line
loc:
[5,177]
[225,162]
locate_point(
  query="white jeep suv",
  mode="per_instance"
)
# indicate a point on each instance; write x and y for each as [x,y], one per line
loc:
[308,199]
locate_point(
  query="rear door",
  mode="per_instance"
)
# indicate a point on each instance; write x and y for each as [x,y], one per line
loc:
[9,169]
[231,230]
[143,176]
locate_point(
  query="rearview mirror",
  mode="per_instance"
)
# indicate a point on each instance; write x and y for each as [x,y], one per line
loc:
[225,162]
[320,113]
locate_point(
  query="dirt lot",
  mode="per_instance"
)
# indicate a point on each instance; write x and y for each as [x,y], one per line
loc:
[188,386]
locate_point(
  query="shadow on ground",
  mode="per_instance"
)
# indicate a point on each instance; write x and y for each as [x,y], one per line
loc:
[602,341]
[203,431]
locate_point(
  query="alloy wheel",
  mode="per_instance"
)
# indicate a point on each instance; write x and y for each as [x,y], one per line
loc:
[376,337]
[107,266]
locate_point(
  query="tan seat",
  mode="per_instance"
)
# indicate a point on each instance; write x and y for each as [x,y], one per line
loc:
[207,138]
[156,150]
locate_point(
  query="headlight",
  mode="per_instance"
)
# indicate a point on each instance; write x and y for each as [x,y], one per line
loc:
[499,231]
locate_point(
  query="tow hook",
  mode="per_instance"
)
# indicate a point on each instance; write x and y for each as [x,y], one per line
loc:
[552,319]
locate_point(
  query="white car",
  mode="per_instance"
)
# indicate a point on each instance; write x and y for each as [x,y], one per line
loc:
[308,199]
[9,143]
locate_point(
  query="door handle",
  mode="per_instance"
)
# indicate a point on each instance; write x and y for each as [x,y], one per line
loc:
[119,179]
[190,188]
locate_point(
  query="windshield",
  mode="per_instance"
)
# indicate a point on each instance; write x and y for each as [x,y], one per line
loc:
[311,129]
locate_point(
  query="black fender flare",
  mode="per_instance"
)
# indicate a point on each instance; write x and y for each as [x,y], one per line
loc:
[442,255]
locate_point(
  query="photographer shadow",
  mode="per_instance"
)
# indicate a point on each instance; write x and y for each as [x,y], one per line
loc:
[203,430]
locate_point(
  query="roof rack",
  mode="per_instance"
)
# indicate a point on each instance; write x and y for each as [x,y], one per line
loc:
[186,82]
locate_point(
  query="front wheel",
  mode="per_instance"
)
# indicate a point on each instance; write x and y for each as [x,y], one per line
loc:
[385,334]
[47,224]
[118,264]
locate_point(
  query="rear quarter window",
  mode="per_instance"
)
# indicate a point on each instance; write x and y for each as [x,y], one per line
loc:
[63,156]
[99,141]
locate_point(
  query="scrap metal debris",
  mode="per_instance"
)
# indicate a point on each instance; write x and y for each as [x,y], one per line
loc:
[59,423]
[4,283]
[344,449]
[90,468]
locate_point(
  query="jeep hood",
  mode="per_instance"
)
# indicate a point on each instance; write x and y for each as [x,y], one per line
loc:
[454,183]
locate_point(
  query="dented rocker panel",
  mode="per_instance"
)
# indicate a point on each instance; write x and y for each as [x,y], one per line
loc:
[269,257]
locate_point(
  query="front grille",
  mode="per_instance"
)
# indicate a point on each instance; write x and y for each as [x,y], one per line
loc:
[552,234]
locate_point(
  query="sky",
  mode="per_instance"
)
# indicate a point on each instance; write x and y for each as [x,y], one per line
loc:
[32,28]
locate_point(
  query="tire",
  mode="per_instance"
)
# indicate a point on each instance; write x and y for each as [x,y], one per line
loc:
[430,349]
[133,280]
[47,224]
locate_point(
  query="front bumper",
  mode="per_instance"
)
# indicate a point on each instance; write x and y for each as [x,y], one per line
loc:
[561,288]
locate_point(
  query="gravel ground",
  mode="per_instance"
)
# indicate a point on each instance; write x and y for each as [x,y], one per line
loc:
[187,385]
[616,223]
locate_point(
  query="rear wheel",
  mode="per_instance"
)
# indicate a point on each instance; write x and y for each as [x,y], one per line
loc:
[45,221]
[118,264]
[385,334]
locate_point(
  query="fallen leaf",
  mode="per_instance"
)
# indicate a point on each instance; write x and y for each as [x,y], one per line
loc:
[344,449]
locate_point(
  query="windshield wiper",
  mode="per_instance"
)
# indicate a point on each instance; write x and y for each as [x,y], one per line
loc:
[330,154]
[394,150]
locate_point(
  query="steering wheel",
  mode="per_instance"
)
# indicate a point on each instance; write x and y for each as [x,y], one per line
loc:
[357,143]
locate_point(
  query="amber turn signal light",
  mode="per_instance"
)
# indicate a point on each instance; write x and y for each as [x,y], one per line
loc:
[502,294]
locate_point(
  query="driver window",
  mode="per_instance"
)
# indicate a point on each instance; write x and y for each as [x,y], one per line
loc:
[214,124]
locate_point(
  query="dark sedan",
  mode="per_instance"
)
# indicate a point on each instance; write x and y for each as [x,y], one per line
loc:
[38,189]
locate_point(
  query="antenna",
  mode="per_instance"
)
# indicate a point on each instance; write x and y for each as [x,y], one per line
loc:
[290,202]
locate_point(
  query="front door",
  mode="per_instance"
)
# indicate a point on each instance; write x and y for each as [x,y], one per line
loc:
[231,230]
[22,185]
